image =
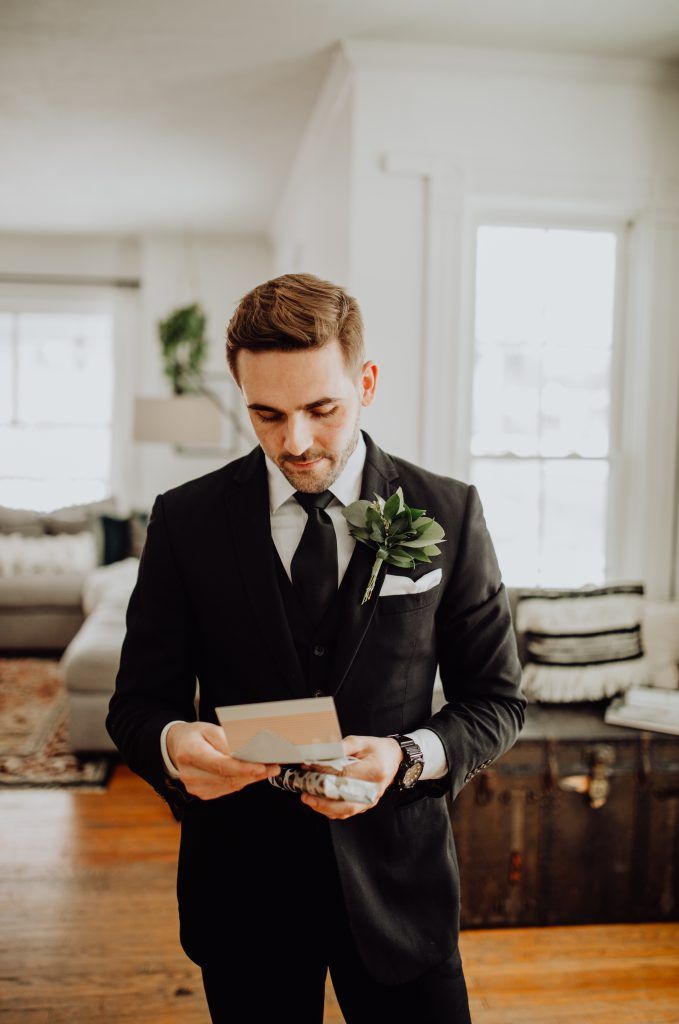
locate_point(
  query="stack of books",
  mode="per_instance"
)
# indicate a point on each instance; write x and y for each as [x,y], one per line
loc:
[646,707]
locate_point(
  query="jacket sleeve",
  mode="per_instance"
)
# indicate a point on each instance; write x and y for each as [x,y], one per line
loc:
[156,679]
[478,660]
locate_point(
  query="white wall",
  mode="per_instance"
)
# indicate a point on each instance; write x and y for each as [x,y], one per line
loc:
[310,231]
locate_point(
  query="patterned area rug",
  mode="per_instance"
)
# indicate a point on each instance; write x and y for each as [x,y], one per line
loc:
[34,746]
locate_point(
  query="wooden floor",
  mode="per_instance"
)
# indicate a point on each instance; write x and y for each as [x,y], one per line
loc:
[89,931]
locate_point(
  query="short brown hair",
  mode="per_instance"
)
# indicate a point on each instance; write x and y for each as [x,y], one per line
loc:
[296,311]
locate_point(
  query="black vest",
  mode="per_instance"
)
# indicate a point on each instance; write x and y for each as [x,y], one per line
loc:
[315,647]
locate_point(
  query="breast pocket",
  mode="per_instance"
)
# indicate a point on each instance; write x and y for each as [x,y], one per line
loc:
[395,604]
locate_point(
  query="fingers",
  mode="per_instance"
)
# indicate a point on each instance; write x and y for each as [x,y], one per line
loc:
[334,808]
[199,752]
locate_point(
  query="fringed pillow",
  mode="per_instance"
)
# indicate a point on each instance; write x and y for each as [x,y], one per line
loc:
[581,644]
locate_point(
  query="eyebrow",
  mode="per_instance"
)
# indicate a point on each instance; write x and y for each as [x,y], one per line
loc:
[310,405]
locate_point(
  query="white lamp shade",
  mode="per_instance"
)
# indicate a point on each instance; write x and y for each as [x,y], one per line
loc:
[182,419]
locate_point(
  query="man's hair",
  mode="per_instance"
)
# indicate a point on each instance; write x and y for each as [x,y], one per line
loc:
[296,311]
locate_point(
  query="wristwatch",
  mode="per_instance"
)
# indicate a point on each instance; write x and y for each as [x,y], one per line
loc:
[412,763]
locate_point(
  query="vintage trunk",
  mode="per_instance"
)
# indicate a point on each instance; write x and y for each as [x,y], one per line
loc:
[577,823]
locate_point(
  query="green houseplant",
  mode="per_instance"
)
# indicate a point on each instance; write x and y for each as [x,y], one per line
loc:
[184,347]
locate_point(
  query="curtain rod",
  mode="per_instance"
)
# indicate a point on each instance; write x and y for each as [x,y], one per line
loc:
[113,282]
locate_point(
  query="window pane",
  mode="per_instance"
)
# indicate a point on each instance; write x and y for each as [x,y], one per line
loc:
[545,286]
[573,541]
[506,400]
[65,368]
[547,519]
[509,492]
[579,281]
[510,275]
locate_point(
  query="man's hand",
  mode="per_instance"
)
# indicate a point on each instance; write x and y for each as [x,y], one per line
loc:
[200,752]
[379,757]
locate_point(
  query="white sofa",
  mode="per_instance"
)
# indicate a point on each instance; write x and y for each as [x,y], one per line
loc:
[91,659]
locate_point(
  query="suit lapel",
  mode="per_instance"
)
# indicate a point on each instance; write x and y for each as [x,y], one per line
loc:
[248,503]
[379,476]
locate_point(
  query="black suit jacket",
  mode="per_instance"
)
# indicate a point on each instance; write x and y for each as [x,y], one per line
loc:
[207,606]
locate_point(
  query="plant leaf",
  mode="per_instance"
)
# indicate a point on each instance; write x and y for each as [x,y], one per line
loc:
[392,506]
[355,513]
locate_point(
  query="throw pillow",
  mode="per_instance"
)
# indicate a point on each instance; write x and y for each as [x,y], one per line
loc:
[581,644]
[116,538]
[47,555]
[25,521]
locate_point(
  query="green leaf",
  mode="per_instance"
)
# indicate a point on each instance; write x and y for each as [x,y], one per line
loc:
[402,561]
[423,542]
[431,533]
[355,513]
[400,551]
[360,532]
[392,506]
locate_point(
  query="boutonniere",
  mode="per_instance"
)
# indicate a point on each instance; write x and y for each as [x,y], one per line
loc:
[399,534]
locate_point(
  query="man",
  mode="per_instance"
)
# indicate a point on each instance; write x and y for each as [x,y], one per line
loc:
[251,583]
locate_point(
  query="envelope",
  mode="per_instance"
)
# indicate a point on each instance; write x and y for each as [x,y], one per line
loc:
[304,729]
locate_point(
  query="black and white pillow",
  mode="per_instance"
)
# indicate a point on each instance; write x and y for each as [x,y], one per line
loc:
[583,644]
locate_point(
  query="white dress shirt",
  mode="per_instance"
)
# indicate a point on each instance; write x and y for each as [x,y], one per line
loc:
[288,520]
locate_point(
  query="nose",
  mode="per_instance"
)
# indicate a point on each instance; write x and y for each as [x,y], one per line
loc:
[298,436]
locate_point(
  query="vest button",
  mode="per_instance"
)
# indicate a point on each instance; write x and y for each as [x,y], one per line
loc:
[319,649]
[318,693]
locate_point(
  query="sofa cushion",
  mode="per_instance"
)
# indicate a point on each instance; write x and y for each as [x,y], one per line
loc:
[42,591]
[25,521]
[110,584]
[47,556]
[91,660]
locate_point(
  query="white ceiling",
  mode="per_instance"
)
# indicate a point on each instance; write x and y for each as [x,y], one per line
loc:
[141,115]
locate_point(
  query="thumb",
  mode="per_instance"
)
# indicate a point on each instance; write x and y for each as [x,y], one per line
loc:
[216,736]
[354,744]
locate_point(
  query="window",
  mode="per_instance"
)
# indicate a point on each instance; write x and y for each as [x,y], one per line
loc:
[542,396]
[56,401]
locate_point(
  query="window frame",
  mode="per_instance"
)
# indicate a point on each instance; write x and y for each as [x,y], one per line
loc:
[553,218]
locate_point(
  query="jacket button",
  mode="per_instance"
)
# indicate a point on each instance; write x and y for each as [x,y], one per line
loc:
[319,649]
[318,693]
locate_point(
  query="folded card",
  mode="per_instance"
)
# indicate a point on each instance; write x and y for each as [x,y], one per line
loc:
[304,729]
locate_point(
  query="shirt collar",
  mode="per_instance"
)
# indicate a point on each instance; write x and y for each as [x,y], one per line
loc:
[346,488]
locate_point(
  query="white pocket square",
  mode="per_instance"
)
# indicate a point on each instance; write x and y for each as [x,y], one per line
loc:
[394,585]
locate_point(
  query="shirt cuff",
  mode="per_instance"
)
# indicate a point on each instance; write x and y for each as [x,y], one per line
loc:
[435,761]
[169,764]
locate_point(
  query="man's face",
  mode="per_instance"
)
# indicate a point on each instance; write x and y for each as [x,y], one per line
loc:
[305,410]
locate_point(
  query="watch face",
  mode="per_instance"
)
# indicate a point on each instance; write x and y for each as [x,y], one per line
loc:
[412,774]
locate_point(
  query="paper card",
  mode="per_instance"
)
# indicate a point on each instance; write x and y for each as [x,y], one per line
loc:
[283,731]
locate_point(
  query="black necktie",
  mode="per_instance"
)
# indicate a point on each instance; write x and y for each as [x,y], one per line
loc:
[314,568]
